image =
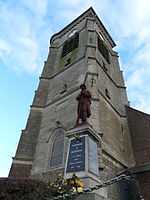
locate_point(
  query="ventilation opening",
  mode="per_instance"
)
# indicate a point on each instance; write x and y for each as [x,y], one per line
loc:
[70,45]
[103,50]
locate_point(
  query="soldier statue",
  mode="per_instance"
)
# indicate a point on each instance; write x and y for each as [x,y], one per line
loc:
[84,102]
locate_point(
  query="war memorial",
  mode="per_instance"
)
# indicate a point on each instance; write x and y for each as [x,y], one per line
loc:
[81,120]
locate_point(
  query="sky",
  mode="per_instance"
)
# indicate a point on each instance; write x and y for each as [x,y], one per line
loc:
[25,31]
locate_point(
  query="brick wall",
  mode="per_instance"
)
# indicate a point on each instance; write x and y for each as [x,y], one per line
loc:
[139,124]
[144,184]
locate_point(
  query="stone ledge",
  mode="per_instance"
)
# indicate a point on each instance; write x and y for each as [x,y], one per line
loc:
[90,196]
[140,168]
[83,129]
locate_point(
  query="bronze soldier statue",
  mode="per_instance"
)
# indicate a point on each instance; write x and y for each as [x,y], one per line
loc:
[84,102]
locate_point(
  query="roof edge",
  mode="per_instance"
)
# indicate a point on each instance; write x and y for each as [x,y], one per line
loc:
[80,16]
[139,111]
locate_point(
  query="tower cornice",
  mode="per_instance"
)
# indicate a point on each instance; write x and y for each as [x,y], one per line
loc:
[88,13]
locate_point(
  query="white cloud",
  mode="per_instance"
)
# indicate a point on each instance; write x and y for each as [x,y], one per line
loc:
[5,49]
[23,28]
[135,80]
[71,3]
[25,54]
[28,25]
[37,7]
[140,99]
[130,25]
[66,11]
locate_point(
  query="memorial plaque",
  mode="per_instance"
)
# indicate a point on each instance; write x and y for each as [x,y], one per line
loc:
[76,158]
[93,157]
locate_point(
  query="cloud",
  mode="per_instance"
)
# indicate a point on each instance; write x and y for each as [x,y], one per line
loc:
[140,99]
[37,7]
[5,49]
[23,28]
[71,3]
[28,25]
[66,11]
[129,22]
[25,55]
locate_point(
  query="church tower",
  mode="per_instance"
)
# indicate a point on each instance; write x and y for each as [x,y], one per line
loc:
[81,53]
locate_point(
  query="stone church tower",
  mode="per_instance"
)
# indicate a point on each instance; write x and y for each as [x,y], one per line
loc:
[80,53]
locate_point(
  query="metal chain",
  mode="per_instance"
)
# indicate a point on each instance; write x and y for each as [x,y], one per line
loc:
[96,187]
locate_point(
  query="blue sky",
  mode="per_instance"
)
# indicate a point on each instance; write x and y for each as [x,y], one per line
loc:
[25,31]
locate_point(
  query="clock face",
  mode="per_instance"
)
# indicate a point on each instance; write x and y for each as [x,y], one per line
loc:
[72,33]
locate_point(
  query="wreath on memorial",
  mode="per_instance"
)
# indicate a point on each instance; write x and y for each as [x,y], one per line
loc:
[65,186]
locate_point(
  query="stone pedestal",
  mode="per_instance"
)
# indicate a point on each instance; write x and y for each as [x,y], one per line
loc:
[82,159]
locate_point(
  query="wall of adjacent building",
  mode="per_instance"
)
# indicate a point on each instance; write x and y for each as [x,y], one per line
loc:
[139,124]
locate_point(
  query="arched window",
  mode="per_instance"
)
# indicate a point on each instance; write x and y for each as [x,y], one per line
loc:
[56,159]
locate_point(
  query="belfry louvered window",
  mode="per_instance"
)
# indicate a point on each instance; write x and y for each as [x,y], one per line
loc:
[70,45]
[103,50]
[57,149]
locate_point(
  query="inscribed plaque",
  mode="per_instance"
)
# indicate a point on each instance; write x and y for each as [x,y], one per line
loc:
[93,157]
[76,158]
